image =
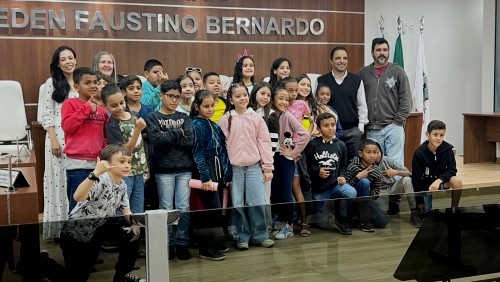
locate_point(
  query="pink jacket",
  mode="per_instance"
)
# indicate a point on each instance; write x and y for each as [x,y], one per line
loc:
[290,126]
[248,140]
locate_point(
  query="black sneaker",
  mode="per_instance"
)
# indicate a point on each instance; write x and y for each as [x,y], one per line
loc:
[366,227]
[171,252]
[211,254]
[132,278]
[343,228]
[416,221]
[183,252]
[221,248]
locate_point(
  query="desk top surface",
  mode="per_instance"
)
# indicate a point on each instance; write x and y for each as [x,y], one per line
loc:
[494,115]
[24,160]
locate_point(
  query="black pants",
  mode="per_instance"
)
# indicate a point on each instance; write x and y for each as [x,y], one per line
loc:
[80,257]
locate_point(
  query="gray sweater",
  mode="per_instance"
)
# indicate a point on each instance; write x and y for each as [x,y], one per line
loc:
[388,97]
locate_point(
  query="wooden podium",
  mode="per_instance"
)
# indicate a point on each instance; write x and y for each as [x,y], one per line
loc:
[23,201]
[481,132]
[413,135]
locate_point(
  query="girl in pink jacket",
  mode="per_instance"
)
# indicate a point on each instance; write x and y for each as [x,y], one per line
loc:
[249,150]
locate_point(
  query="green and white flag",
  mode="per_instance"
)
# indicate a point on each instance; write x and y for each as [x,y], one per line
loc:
[421,90]
[398,52]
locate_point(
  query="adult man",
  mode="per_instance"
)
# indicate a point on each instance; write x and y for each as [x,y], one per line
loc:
[388,97]
[348,99]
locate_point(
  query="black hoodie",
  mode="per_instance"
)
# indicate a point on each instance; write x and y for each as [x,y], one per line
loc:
[333,155]
[427,166]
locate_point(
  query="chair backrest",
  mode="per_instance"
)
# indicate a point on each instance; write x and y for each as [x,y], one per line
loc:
[41,103]
[12,112]
[225,80]
[314,81]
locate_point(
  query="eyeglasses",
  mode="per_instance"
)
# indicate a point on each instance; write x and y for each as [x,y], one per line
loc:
[173,96]
[190,69]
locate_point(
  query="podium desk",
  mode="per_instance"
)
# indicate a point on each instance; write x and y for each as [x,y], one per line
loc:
[481,132]
[23,201]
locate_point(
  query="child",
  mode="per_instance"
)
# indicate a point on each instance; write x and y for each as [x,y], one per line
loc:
[131,86]
[434,166]
[99,197]
[279,70]
[249,150]
[365,176]
[260,100]
[196,74]
[326,158]
[323,95]
[299,110]
[212,83]
[212,162]
[396,179]
[304,94]
[124,128]
[187,86]
[83,123]
[171,134]
[153,71]
[244,71]
[287,153]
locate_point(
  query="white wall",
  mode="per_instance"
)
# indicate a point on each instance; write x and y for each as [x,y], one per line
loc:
[453,35]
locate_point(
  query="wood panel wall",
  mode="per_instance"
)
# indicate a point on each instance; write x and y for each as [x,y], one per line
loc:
[27,60]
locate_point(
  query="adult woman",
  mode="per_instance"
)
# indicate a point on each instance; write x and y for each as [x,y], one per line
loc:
[56,90]
[279,69]
[105,63]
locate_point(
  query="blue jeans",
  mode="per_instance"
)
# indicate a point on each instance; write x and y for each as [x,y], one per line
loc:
[170,186]
[342,207]
[247,190]
[135,191]
[392,140]
[74,178]
[368,211]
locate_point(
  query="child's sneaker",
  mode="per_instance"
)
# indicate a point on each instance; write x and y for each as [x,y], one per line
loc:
[285,232]
[416,221]
[266,243]
[277,226]
[343,228]
[211,254]
[221,248]
[183,252]
[366,227]
[242,246]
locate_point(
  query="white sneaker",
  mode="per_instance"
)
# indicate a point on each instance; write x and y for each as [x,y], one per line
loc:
[277,226]
[285,232]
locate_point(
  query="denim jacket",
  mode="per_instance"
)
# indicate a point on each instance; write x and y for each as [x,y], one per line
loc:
[209,141]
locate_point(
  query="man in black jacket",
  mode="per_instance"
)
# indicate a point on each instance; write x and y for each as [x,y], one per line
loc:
[434,166]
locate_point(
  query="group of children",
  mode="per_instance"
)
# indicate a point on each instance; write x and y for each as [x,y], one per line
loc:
[264,146]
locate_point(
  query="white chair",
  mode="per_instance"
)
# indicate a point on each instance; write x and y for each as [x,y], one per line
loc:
[314,81]
[142,78]
[225,80]
[266,79]
[13,122]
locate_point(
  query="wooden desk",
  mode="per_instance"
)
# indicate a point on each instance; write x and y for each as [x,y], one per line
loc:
[23,202]
[481,132]
[38,136]
[413,133]
[24,160]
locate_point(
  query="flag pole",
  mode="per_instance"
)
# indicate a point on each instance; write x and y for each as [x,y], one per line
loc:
[422,22]
[381,23]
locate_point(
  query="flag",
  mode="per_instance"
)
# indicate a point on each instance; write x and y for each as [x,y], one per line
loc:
[421,90]
[398,52]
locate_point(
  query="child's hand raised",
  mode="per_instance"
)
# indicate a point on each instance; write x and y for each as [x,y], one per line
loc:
[93,104]
[101,167]
[140,124]
[364,173]
[162,77]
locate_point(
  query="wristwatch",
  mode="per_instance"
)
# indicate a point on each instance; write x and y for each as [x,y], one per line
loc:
[93,177]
